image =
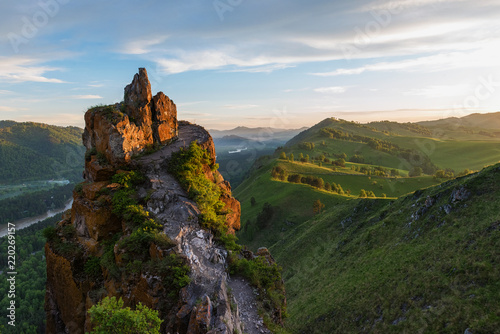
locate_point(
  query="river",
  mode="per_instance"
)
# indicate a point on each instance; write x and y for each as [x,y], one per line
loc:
[25,222]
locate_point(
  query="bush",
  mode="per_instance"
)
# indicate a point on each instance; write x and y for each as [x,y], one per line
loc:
[50,233]
[187,166]
[172,269]
[79,189]
[90,153]
[265,276]
[265,216]
[101,158]
[92,267]
[110,317]
[307,145]
[415,171]
[108,258]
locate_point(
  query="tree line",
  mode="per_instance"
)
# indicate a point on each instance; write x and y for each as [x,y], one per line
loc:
[317,182]
[413,157]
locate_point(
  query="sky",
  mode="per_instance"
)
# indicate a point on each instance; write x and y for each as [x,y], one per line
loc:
[270,63]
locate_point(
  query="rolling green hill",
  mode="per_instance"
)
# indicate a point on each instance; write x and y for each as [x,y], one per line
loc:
[401,146]
[34,151]
[427,262]
[420,256]
[375,158]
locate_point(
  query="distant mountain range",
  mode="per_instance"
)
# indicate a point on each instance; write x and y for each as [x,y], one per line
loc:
[257,134]
[484,121]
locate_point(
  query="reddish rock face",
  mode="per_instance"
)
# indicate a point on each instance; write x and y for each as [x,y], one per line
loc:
[113,135]
[138,93]
[165,125]
[121,131]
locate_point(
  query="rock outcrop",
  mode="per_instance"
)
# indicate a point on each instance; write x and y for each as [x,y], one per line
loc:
[119,132]
[85,259]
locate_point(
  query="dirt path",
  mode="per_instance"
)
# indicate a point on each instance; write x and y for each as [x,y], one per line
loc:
[247,306]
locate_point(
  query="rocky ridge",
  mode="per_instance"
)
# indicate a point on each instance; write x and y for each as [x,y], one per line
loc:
[115,137]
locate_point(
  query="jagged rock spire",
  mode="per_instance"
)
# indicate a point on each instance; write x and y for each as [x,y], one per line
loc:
[123,130]
[138,93]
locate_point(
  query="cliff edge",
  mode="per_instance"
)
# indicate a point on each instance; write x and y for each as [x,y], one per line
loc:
[134,232]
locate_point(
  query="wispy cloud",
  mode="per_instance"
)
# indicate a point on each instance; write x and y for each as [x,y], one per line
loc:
[6,92]
[142,45]
[21,69]
[188,113]
[439,91]
[86,97]
[185,104]
[438,62]
[10,109]
[240,106]
[295,90]
[403,4]
[264,69]
[331,90]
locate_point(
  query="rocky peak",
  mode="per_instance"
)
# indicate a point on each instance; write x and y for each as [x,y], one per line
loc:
[96,235]
[119,132]
[138,93]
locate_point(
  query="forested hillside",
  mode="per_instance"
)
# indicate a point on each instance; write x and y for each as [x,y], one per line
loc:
[35,151]
[30,280]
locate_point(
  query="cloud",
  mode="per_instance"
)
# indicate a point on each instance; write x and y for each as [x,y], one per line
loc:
[484,57]
[397,5]
[86,97]
[24,69]
[295,90]
[6,92]
[250,47]
[188,113]
[438,91]
[240,106]
[142,45]
[10,109]
[331,90]
[184,104]
[264,69]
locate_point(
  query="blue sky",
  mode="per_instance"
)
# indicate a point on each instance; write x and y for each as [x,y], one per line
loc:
[225,63]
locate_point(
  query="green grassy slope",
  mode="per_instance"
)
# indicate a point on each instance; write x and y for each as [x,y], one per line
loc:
[354,181]
[425,263]
[292,203]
